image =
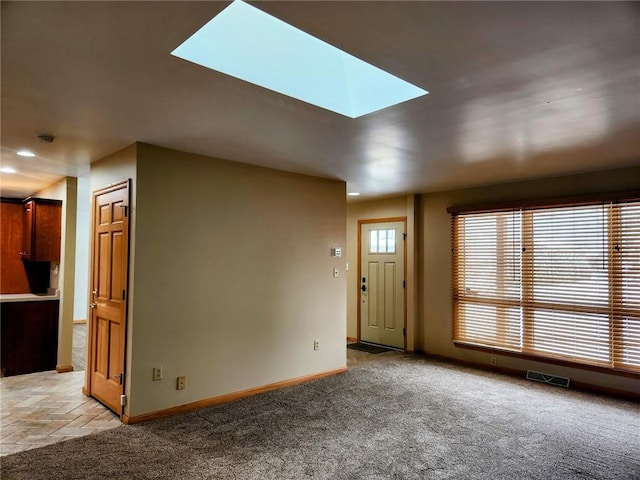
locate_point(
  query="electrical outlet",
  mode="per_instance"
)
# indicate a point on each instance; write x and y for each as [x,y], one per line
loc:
[493,361]
[157,374]
[316,344]
[181,384]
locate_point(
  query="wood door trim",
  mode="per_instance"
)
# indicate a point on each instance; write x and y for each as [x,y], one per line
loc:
[112,187]
[382,220]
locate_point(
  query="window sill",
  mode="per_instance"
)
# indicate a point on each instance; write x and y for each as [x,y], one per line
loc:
[545,359]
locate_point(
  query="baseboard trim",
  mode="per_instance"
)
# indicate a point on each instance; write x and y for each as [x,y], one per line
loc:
[352,339]
[513,372]
[64,368]
[79,322]
[229,397]
[545,360]
[609,392]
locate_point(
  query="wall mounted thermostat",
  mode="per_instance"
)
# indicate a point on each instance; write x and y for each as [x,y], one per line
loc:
[336,252]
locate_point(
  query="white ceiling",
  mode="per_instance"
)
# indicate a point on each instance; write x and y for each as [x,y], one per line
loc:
[518,90]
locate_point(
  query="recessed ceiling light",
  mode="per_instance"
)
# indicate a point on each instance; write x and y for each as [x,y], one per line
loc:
[249,44]
[26,153]
[7,170]
[353,194]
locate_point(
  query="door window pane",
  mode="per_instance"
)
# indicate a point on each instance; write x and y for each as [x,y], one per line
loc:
[382,241]
[391,241]
[373,241]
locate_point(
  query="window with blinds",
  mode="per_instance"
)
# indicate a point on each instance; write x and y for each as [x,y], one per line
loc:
[556,281]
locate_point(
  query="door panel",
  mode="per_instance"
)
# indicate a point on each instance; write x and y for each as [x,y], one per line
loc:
[117,247]
[373,299]
[390,283]
[114,363]
[103,270]
[108,307]
[382,301]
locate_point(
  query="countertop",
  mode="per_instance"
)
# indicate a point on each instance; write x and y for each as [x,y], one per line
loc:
[28,297]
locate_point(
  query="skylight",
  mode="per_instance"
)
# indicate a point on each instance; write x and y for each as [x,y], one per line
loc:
[246,43]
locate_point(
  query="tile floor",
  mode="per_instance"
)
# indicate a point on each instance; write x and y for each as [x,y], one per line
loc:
[44,408]
[47,407]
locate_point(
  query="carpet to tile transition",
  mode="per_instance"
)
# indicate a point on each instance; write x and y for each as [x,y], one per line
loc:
[403,418]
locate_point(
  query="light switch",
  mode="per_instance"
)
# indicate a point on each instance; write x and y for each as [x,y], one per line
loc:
[336,252]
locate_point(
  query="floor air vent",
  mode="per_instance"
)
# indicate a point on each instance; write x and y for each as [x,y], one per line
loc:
[546,378]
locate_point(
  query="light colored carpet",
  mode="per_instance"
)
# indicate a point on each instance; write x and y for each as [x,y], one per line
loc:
[402,418]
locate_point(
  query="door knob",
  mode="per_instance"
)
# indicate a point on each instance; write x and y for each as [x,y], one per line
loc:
[93,305]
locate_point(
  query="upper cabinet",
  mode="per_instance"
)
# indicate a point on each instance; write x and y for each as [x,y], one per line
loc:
[41,229]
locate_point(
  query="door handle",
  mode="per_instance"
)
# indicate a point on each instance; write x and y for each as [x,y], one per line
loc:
[93,305]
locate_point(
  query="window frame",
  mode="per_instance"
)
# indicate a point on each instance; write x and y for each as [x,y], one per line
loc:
[527,304]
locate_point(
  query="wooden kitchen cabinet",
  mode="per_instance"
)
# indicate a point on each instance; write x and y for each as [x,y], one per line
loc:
[41,229]
[29,337]
[12,269]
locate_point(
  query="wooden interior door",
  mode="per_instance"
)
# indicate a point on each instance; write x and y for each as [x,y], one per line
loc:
[382,283]
[108,308]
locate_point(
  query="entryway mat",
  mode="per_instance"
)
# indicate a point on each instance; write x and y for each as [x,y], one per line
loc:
[365,347]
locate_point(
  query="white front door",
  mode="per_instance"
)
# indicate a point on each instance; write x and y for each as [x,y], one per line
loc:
[382,284]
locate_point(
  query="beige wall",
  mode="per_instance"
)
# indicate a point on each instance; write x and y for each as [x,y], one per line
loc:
[231,275]
[435,263]
[83,219]
[62,278]
[381,209]
[233,278]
